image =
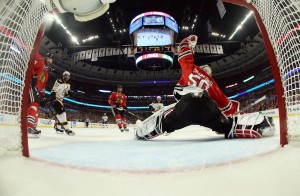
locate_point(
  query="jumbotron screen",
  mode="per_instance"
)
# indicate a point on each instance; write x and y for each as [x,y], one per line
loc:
[153,37]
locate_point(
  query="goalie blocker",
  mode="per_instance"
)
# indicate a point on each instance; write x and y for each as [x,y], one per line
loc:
[191,110]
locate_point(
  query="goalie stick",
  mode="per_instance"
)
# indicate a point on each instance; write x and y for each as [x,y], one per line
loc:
[253,104]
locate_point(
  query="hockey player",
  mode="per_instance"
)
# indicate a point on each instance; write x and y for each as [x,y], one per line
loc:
[156,105]
[117,100]
[36,92]
[104,120]
[197,104]
[61,89]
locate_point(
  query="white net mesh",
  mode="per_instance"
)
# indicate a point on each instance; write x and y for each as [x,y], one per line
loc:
[20,21]
[282,21]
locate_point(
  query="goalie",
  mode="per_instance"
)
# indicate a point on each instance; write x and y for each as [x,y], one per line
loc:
[201,102]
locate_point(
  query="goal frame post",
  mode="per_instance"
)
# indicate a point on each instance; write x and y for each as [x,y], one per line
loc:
[275,69]
[25,95]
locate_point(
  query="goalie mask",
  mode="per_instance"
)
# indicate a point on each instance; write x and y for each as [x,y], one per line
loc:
[207,69]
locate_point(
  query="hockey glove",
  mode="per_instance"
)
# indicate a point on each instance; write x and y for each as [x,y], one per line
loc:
[52,96]
[43,101]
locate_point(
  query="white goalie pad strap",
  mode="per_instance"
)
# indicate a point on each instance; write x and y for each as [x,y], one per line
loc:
[250,119]
[151,127]
[252,126]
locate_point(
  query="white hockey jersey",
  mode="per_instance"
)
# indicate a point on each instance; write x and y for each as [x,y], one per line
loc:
[156,106]
[104,118]
[61,88]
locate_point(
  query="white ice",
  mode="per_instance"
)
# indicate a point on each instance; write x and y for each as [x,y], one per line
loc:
[193,161]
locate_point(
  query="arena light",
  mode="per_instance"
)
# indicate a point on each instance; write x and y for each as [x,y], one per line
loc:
[105,91]
[232,85]
[73,38]
[250,78]
[91,38]
[155,82]
[215,34]
[78,91]
[240,26]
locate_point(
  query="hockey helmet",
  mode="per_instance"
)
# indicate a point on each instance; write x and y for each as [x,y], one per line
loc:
[158,97]
[48,58]
[119,86]
[66,73]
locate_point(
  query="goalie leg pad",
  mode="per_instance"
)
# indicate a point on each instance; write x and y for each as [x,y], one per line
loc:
[251,126]
[149,128]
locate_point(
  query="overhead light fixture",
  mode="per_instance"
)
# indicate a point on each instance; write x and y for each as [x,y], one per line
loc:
[250,78]
[232,85]
[73,38]
[105,91]
[90,38]
[215,34]
[240,26]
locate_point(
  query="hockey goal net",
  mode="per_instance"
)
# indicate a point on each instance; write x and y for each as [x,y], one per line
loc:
[20,22]
[279,23]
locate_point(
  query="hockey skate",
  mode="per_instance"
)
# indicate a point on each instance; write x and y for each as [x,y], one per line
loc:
[33,133]
[251,126]
[126,129]
[58,129]
[69,132]
[121,129]
[38,131]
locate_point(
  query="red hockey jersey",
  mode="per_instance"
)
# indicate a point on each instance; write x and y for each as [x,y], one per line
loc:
[117,97]
[40,74]
[195,76]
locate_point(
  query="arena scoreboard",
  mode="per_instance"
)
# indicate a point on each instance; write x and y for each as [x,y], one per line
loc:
[153,33]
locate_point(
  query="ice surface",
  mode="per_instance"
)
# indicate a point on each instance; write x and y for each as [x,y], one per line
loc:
[192,161]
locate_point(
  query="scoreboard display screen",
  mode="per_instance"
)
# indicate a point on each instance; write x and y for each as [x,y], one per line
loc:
[153,20]
[153,37]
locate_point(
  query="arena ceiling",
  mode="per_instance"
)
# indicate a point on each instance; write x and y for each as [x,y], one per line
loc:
[186,13]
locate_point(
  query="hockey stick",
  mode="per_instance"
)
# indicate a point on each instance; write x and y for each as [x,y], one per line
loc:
[253,104]
[54,114]
[134,115]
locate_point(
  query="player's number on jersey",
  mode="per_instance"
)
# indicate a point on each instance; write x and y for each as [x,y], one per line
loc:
[196,80]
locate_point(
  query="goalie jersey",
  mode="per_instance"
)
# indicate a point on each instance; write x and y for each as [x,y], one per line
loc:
[195,79]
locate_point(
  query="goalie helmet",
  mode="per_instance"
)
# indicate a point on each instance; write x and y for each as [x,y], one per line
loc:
[207,69]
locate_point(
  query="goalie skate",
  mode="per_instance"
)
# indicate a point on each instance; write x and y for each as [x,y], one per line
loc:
[251,126]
